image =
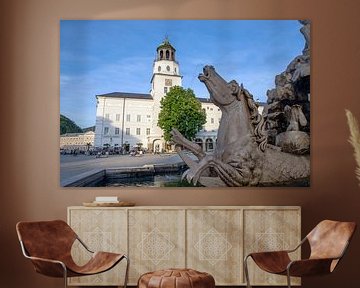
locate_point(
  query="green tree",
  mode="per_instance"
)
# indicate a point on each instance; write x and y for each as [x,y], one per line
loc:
[68,126]
[181,110]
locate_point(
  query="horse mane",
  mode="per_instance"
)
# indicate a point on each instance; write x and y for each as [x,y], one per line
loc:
[257,121]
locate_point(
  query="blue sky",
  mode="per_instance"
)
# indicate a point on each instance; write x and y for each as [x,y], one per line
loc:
[103,56]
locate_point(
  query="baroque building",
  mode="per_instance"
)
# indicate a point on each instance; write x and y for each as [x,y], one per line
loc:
[130,120]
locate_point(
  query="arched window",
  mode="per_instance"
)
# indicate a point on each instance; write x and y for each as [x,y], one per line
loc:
[172,55]
[167,54]
[161,54]
[199,142]
[209,145]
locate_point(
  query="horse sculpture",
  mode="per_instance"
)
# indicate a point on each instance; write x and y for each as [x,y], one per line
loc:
[242,156]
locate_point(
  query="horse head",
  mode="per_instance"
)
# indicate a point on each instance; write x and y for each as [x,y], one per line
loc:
[222,93]
[229,94]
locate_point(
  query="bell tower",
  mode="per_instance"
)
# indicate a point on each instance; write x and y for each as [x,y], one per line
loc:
[166,74]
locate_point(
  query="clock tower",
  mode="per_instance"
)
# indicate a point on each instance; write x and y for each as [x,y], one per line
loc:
[165,75]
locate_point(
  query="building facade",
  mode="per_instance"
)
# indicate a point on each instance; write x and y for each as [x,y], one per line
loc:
[77,141]
[130,120]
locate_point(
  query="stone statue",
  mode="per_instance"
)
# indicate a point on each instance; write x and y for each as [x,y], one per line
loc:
[242,156]
[305,30]
[293,140]
[295,117]
[292,90]
[252,149]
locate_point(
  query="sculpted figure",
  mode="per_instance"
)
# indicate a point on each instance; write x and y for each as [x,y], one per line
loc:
[305,30]
[295,116]
[242,156]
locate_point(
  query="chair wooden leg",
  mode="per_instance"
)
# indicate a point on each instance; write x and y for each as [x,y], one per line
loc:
[246,271]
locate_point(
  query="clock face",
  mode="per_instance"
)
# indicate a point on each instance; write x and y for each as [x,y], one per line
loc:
[168,82]
[168,68]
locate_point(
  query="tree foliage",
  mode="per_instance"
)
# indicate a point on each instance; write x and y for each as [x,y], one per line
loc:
[181,110]
[68,126]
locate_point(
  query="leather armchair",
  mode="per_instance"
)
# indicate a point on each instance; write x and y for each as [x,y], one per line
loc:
[48,245]
[328,242]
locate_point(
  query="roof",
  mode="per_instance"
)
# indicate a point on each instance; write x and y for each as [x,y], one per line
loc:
[77,134]
[126,95]
[71,134]
[165,44]
[204,100]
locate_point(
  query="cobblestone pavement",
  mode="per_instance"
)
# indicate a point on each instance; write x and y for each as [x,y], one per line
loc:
[73,165]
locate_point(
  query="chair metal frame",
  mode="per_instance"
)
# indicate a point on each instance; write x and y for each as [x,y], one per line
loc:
[305,239]
[26,255]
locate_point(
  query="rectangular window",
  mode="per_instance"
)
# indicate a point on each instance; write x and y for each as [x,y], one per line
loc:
[138,118]
[127,131]
[165,90]
[107,116]
[128,117]
[147,131]
[117,117]
[117,131]
[138,131]
[106,130]
[212,120]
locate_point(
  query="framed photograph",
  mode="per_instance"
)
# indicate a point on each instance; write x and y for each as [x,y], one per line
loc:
[215,103]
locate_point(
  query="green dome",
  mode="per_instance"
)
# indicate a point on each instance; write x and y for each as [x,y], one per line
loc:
[165,44]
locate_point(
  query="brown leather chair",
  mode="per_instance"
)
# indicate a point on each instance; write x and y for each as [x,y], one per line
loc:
[48,245]
[328,242]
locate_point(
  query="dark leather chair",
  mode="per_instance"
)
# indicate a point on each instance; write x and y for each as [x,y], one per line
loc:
[328,242]
[48,245]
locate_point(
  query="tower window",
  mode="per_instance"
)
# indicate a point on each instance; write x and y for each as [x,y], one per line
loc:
[159,68]
[161,54]
[167,54]
[168,68]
